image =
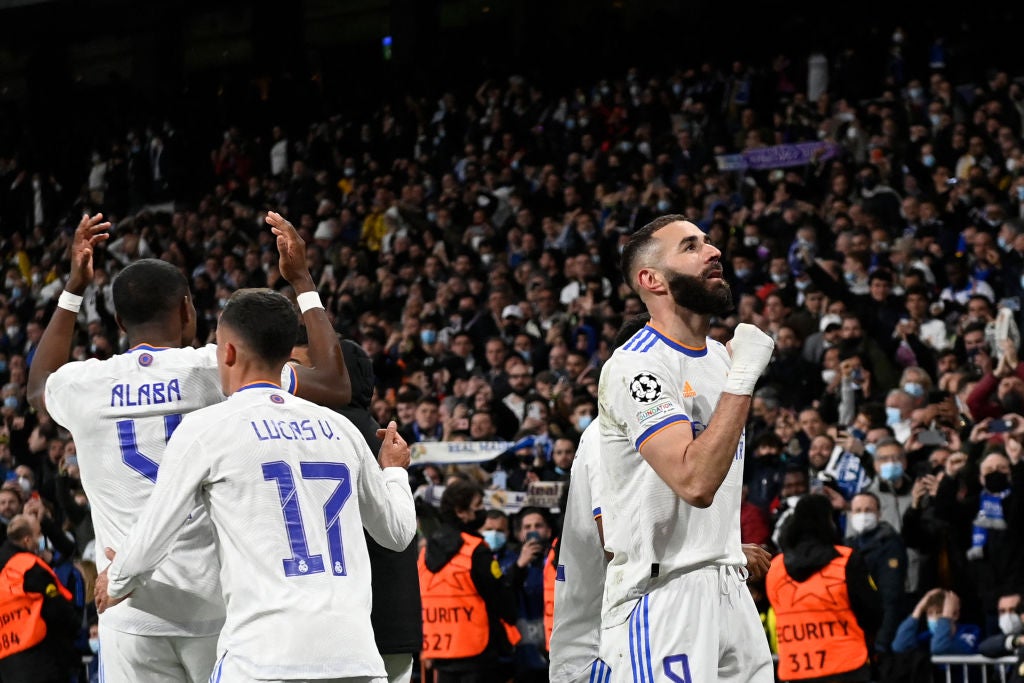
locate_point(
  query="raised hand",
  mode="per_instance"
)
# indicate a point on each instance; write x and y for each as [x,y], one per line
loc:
[291,247]
[91,231]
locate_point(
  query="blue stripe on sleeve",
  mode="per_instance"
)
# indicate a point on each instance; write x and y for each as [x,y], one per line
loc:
[657,427]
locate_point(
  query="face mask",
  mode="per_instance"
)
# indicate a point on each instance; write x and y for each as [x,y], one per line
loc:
[743,273]
[584,122]
[432,216]
[11,402]
[12,330]
[25,485]
[1001,241]
[997,482]
[664,205]
[891,471]
[828,376]
[570,124]
[935,120]
[349,172]
[3,366]
[486,259]
[914,389]
[892,416]
[428,336]
[42,543]
[791,501]
[928,160]
[1011,165]
[94,645]
[494,538]
[915,93]
[584,422]
[751,241]
[870,448]
[863,521]
[559,470]
[1010,624]
[802,284]
[850,277]
[933,624]
[779,278]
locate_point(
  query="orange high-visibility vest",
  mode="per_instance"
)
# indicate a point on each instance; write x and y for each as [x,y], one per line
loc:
[21,621]
[455,623]
[817,632]
[550,573]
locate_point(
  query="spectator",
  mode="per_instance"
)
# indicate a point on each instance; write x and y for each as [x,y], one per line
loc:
[933,626]
[1011,628]
[885,556]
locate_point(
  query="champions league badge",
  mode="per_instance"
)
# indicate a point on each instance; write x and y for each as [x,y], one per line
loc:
[645,388]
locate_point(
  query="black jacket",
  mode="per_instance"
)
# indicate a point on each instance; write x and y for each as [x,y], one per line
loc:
[885,557]
[55,658]
[396,614]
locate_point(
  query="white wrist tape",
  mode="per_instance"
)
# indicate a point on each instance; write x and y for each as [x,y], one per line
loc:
[751,351]
[308,300]
[69,302]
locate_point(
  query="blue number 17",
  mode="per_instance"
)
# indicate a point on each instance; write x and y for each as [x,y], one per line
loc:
[302,562]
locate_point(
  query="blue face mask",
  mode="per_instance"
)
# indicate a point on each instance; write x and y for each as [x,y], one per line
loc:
[933,624]
[3,366]
[870,448]
[743,273]
[428,336]
[11,402]
[584,422]
[494,539]
[915,389]
[891,471]
[892,416]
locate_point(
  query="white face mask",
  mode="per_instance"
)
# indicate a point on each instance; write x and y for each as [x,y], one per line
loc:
[828,375]
[791,501]
[863,521]
[1010,624]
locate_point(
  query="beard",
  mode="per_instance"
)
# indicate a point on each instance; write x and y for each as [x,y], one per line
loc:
[696,294]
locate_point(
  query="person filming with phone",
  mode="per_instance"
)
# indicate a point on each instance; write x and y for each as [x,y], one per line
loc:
[527,579]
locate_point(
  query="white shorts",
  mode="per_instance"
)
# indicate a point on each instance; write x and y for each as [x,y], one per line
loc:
[700,627]
[597,672]
[226,671]
[130,658]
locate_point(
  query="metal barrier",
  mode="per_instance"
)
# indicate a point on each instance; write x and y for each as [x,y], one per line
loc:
[969,663]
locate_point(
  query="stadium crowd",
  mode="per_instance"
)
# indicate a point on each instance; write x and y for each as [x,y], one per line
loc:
[470,245]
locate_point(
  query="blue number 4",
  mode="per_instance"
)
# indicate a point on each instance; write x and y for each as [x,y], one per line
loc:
[302,562]
[130,454]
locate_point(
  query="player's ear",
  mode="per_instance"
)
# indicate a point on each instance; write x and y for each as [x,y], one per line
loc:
[650,279]
[230,353]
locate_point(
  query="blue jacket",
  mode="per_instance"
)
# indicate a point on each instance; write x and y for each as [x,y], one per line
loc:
[913,634]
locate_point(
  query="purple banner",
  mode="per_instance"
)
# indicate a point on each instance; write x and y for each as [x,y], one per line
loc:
[779,156]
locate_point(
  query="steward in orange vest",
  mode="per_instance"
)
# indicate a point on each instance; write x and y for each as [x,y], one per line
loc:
[550,576]
[38,621]
[469,609]
[827,608]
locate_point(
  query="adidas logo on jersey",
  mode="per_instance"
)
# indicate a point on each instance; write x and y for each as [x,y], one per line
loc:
[688,391]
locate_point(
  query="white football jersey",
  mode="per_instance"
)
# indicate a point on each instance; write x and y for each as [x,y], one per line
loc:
[289,487]
[579,579]
[652,382]
[121,412]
